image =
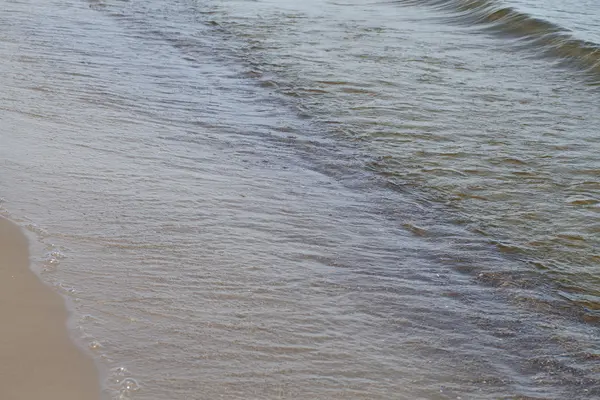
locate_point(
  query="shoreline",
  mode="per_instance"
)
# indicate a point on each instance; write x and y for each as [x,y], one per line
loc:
[38,358]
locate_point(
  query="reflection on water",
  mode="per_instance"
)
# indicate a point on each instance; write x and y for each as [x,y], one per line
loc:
[258,200]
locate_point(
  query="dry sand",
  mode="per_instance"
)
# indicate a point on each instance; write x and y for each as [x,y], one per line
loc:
[38,361]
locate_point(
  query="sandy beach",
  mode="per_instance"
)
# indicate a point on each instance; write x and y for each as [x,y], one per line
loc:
[37,358]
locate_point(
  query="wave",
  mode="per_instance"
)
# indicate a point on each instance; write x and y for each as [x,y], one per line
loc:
[546,38]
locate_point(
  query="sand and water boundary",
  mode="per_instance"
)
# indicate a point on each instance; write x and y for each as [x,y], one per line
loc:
[38,360]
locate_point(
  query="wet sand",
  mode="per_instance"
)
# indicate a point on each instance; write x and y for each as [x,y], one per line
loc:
[37,358]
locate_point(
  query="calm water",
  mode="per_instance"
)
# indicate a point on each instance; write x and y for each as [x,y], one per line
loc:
[325,200]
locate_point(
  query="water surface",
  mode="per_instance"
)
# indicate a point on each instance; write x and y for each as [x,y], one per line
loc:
[258,199]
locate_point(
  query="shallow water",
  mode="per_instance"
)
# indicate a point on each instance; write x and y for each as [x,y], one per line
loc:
[326,200]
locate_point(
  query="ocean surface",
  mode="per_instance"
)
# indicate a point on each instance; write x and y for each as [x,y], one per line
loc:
[326,199]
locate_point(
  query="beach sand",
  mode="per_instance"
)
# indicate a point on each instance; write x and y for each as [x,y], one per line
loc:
[37,358]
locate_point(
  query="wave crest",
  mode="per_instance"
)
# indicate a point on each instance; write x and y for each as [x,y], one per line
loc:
[545,38]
